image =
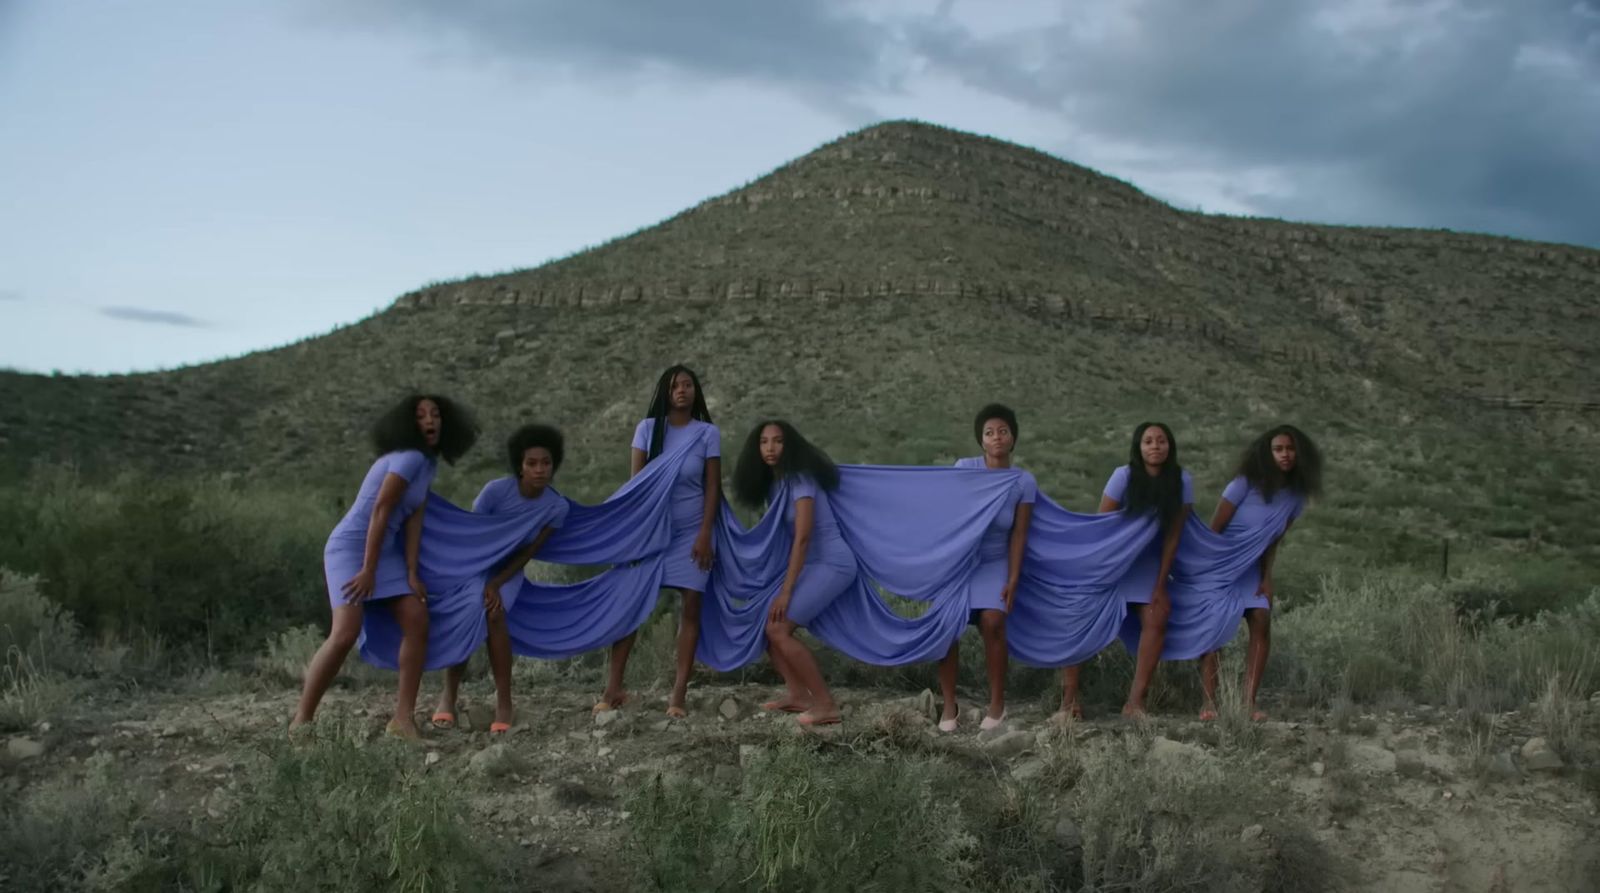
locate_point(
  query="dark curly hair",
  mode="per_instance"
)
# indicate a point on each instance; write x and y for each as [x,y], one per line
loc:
[1163,493]
[996,411]
[661,401]
[397,428]
[752,479]
[529,436]
[1257,466]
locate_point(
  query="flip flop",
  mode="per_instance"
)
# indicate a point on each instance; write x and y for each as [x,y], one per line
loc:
[499,728]
[949,725]
[443,720]
[992,722]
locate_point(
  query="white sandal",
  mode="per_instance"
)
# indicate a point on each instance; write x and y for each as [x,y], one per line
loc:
[992,722]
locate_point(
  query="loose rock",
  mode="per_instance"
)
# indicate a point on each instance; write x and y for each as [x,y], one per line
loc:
[1538,756]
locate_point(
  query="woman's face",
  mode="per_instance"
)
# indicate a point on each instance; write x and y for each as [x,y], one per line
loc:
[537,467]
[681,393]
[1154,447]
[998,438]
[771,445]
[429,422]
[1284,453]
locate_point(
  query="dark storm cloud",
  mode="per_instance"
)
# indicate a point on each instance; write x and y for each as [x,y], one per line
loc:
[1465,114]
[158,317]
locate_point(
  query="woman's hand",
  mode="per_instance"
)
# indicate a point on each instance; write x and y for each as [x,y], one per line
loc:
[417,589]
[701,553]
[359,588]
[779,612]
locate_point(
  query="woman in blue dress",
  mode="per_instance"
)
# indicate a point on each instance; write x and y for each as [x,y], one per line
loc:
[677,420]
[371,555]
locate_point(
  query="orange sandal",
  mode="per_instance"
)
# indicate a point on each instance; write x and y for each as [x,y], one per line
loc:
[443,721]
[499,728]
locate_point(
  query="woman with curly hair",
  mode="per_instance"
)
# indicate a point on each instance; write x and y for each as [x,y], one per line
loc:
[1150,483]
[371,555]
[994,581]
[677,420]
[778,462]
[534,454]
[1279,471]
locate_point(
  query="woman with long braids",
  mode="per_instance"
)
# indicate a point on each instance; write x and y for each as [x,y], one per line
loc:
[1151,483]
[777,461]
[1279,471]
[994,582]
[371,555]
[677,420]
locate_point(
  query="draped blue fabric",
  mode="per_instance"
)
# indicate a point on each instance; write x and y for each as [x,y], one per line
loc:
[1214,579]
[914,532]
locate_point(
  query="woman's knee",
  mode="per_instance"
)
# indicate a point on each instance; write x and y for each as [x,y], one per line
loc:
[691,607]
[992,623]
[1154,615]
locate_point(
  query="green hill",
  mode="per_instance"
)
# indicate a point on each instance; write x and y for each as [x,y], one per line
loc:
[880,288]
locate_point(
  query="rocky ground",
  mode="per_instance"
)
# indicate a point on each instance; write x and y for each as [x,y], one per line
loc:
[1408,800]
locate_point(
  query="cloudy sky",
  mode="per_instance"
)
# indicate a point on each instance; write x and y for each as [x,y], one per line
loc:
[182,180]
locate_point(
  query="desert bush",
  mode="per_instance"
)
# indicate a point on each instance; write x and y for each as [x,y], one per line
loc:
[350,815]
[97,833]
[804,819]
[205,565]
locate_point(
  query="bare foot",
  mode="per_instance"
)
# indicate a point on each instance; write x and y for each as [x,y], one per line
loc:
[785,704]
[1258,716]
[1133,711]
[1208,714]
[676,711]
[809,718]
[402,728]
[1068,712]
[610,700]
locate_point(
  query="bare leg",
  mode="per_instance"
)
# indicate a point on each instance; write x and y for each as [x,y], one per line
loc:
[804,672]
[688,637]
[616,692]
[450,691]
[949,670]
[325,664]
[411,613]
[1153,633]
[1208,686]
[500,665]
[992,624]
[795,699]
[1259,620]
[1070,708]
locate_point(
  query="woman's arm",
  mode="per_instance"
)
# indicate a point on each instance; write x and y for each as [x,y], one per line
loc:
[701,552]
[636,459]
[1225,510]
[804,509]
[360,588]
[1169,551]
[1019,545]
[512,567]
[414,551]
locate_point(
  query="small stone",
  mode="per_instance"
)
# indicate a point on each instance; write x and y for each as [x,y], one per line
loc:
[432,758]
[169,732]
[729,709]
[1251,834]
[1448,795]
[603,752]
[607,717]
[1177,754]
[25,748]
[1027,770]
[661,726]
[43,726]
[1318,768]
[478,717]
[494,761]
[598,734]
[1370,759]
[927,704]
[1408,764]
[971,716]
[1501,766]
[1008,744]
[1538,756]
[1067,835]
